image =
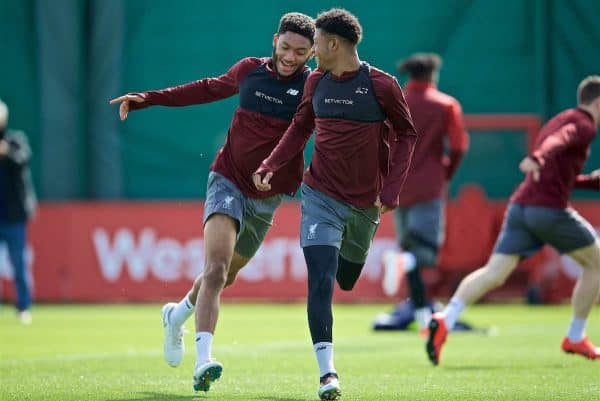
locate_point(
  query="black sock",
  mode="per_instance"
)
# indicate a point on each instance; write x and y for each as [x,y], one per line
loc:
[417,288]
[322,262]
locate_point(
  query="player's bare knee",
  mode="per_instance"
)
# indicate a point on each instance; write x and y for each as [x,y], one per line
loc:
[215,273]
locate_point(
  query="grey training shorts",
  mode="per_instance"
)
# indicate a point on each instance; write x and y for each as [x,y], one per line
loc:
[327,221]
[254,216]
[527,228]
[421,224]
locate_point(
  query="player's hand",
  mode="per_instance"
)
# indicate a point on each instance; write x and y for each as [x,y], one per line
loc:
[595,173]
[528,165]
[124,100]
[262,183]
[382,208]
[4,147]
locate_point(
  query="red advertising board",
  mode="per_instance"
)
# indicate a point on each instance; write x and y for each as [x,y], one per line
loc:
[150,251]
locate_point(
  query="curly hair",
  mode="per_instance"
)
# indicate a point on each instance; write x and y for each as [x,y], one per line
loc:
[420,66]
[298,23]
[589,89]
[338,21]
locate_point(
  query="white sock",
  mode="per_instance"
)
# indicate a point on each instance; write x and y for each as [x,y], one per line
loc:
[422,317]
[452,311]
[576,329]
[182,311]
[324,354]
[203,346]
[410,262]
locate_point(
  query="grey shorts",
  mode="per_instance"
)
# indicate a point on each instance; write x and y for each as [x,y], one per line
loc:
[254,216]
[327,221]
[421,224]
[527,228]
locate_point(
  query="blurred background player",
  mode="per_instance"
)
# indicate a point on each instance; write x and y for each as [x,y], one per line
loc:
[236,215]
[344,190]
[538,214]
[17,204]
[420,218]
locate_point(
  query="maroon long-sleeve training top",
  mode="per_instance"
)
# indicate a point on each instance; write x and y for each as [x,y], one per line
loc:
[436,116]
[267,105]
[562,147]
[352,115]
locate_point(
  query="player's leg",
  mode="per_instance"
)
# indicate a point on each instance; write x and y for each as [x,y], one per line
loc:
[421,242]
[237,263]
[515,241]
[585,295]
[359,230]
[471,288]
[393,261]
[258,218]
[571,234]
[321,233]
[15,237]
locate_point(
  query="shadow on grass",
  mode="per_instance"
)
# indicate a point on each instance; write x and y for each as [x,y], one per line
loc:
[151,396]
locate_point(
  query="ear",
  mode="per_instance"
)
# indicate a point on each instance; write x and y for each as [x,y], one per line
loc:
[333,44]
[275,37]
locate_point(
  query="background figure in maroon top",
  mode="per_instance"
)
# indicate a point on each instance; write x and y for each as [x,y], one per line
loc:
[236,215]
[419,220]
[352,177]
[538,214]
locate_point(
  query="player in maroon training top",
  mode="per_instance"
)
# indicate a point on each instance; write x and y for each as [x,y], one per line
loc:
[351,178]
[236,215]
[420,218]
[538,214]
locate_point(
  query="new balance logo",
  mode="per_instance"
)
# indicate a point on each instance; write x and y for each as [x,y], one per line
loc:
[312,231]
[361,90]
[321,348]
[292,92]
[227,202]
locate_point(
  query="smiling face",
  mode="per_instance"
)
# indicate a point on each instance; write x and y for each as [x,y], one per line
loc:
[290,52]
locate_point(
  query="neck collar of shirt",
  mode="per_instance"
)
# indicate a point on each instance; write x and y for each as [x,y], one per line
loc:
[347,74]
[419,85]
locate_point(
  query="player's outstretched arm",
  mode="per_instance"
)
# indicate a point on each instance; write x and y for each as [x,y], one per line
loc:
[198,92]
[125,101]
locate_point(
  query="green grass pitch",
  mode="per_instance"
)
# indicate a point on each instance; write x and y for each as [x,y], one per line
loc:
[114,353]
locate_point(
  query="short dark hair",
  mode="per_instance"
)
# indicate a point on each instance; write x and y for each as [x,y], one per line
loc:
[589,89]
[298,23]
[420,66]
[338,21]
